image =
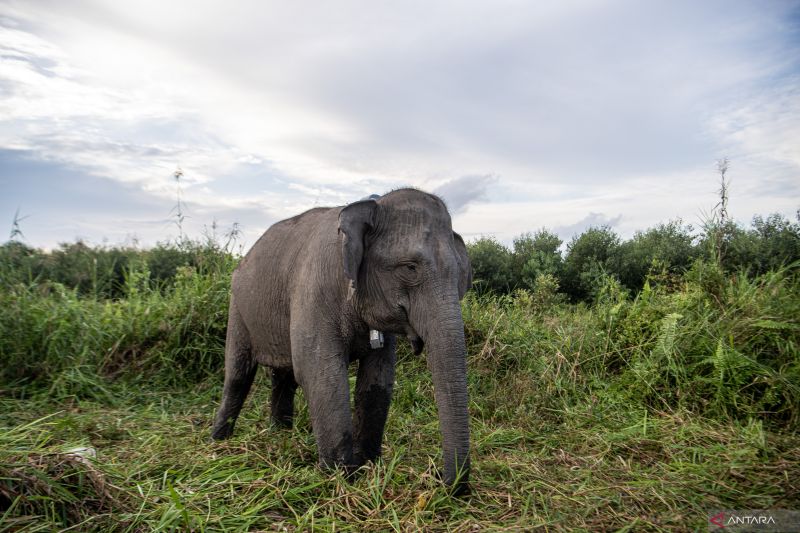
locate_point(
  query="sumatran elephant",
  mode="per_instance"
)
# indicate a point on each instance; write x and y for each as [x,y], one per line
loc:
[335,285]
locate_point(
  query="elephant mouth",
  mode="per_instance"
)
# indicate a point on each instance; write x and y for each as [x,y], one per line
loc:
[417,344]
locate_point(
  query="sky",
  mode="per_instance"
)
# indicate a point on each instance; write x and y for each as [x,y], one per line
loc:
[520,115]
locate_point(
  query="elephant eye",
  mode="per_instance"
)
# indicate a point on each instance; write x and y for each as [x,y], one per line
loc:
[408,271]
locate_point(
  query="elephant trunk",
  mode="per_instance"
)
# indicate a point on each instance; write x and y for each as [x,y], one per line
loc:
[443,333]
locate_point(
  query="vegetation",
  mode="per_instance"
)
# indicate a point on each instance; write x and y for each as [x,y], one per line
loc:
[664,250]
[671,388]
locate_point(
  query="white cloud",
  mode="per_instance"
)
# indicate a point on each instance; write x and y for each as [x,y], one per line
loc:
[592,220]
[614,108]
[762,135]
[460,192]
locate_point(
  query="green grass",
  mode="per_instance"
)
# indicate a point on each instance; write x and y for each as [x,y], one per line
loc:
[637,413]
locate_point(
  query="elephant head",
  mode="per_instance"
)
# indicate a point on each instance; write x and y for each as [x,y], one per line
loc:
[407,271]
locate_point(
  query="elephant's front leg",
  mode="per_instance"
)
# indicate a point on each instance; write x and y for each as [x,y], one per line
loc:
[374,387]
[323,377]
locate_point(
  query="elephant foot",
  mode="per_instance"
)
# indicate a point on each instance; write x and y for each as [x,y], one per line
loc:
[458,485]
[460,489]
[350,472]
[222,432]
[282,423]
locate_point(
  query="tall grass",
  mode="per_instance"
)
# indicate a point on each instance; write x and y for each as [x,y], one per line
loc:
[636,412]
[56,339]
[726,351]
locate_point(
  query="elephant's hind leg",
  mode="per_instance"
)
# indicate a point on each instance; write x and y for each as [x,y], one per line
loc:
[240,369]
[283,389]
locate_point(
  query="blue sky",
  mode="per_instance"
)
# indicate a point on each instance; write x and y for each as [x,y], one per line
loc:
[520,114]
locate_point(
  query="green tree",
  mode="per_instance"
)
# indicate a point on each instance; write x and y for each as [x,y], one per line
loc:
[491,265]
[73,265]
[535,255]
[164,260]
[666,247]
[770,243]
[589,258]
[16,263]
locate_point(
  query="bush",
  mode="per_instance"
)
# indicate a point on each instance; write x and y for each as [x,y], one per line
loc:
[665,249]
[661,253]
[722,346]
[771,243]
[535,255]
[101,272]
[589,258]
[491,266]
[55,337]
[543,296]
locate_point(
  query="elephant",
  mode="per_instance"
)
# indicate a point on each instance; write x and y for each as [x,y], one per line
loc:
[334,285]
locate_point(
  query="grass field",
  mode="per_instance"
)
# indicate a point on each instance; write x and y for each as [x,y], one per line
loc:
[634,413]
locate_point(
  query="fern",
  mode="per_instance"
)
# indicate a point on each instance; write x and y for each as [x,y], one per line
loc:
[665,345]
[719,360]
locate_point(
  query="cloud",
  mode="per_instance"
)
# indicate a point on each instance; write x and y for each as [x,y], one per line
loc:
[62,204]
[458,193]
[603,107]
[592,220]
[405,92]
[760,135]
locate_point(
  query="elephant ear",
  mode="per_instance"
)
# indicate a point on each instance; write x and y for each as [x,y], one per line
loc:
[464,266]
[354,222]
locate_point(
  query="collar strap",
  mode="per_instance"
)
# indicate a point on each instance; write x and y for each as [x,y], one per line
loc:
[375,339]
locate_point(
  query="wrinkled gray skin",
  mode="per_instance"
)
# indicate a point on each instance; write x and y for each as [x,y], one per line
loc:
[305,297]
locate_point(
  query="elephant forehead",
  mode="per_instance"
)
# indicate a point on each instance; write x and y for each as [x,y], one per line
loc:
[416,219]
[420,235]
[423,244]
[410,224]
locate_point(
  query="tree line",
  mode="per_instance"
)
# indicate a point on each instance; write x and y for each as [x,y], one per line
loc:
[539,262]
[107,272]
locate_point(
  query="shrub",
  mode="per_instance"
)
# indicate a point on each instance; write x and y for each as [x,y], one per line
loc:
[55,337]
[535,255]
[771,243]
[491,266]
[589,257]
[666,248]
[724,346]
